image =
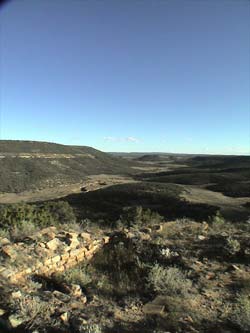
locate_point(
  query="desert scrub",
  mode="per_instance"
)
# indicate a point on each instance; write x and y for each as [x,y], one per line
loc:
[23,230]
[232,246]
[4,233]
[78,275]
[121,261]
[42,215]
[90,328]
[169,281]
[241,312]
[139,217]
[217,223]
[32,311]
[105,284]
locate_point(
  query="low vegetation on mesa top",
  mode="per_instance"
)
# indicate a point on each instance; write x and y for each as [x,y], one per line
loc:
[30,165]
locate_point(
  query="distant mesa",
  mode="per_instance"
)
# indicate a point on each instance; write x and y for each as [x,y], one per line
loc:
[32,165]
[150,158]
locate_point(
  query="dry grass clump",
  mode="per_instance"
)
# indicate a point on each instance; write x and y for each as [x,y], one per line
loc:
[23,230]
[241,312]
[77,275]
[31,310]
[169,281]
[232,246]
[91,328]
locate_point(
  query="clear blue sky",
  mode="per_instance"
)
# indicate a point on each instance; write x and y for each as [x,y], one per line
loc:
[149,75]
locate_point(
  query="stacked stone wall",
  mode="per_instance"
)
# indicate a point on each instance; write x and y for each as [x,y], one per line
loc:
[47,252]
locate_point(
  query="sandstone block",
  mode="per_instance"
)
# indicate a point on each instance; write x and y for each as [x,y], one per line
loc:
[4,241]
[76,290]
[2,312]
[56,259]
[157,228]
[53,244]
[9,250]
[65,317]
[86,236]
[153,309]
[16,294]
[65,256]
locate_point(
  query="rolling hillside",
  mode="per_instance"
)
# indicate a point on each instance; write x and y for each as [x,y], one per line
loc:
[31,165]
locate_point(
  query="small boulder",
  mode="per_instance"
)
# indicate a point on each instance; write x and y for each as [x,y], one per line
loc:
[153,309]
[2,312]
[16,294]
[65,317]
[53,244]
[76,290]
[15,320]
[4,241]
[10,251]
[201,237]
[157,228]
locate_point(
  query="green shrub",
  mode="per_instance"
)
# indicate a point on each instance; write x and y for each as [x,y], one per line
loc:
[138,217]
[4,233]
[217,222]
[120,262]
[168,281]
[23,229]
[232,246]
[42,215]
[77,275]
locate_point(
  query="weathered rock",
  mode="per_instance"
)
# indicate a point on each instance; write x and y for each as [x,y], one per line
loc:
[65,317]
[10,251]
[4,241]
[144,236]
[61,296]
[15,320]
[53,244]
[210,276]
[79,304]
[153,309]
[56,259]
[76,290]
[86,236]
[146,230]
[201,237]
[7,273]
[2,312]
[157,227]
[16,294]
[49,231]
[61,252]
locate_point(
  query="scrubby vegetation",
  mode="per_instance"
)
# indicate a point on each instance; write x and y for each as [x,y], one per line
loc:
[169,281]
[170,265]
[172,280]
[20,220]
[163,199]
